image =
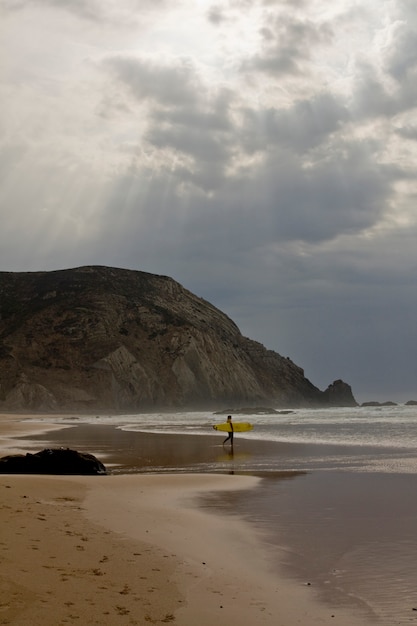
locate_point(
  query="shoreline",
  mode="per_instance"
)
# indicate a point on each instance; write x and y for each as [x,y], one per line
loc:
[17,425]
[137,549]
[145,547]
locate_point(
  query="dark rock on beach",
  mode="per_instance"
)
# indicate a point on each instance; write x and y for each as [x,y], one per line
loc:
[105,339]
[52,461]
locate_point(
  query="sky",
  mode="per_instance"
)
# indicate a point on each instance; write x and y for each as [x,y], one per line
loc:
[260,152]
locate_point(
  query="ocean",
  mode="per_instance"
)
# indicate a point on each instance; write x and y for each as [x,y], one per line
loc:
[336,504]
[361,439]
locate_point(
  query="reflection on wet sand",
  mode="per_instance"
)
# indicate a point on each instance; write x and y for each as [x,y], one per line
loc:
[348,532]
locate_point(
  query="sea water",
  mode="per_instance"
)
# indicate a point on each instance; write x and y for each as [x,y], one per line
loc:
[382,425]
[349,439]
[337,502]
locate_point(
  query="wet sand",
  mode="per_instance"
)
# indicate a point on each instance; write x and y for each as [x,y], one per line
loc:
[135,451]
[190,548]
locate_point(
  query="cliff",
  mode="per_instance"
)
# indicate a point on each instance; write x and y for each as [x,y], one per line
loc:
[98,338]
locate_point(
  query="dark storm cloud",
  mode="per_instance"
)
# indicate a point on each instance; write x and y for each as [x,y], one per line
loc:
[88,9]
[208,153]
[407,132]
[288,44]
[91,10]
[272,176]
[342,190]
[169,85]
[372,98]
[401,63]
[407,11]
[403,59]
[216,15]
[9,6]
[303,125]
[390,89]
[284,201]
[280,201]
[185,116]
[295,4]
[211,112]
[345,195]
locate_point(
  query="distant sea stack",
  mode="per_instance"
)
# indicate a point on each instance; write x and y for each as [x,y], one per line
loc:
[104,339]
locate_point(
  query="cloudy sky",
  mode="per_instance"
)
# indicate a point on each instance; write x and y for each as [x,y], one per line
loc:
[260,152]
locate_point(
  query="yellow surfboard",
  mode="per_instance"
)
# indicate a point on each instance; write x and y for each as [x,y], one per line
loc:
[236,427]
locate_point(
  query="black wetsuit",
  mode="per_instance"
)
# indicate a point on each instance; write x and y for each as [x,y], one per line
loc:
[230,435]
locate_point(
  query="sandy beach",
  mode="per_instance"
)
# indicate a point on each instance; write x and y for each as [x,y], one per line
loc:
[138,549]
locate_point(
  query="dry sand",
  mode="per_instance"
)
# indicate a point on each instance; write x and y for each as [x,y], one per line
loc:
[136,549]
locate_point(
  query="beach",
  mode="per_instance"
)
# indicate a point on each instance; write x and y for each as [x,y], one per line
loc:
[139,548]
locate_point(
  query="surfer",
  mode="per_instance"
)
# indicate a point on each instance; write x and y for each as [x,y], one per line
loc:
[230,434]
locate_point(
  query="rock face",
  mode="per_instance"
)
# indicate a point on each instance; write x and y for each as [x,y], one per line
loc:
[52,461]
[340,394]
[376,403]
[98,338]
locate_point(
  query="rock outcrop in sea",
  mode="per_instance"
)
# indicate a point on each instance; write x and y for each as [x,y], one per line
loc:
[105,339]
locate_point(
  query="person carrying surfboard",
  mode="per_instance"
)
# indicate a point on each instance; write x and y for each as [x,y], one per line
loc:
[228,427]
[230,434]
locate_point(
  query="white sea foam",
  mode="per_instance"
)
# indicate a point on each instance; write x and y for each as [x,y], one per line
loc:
[393,426]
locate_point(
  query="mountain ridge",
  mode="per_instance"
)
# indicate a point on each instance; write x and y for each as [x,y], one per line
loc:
[103,338]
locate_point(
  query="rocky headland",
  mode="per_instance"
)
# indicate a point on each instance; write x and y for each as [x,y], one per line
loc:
[104,339]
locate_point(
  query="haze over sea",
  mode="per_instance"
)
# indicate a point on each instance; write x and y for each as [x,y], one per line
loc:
[336,503]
